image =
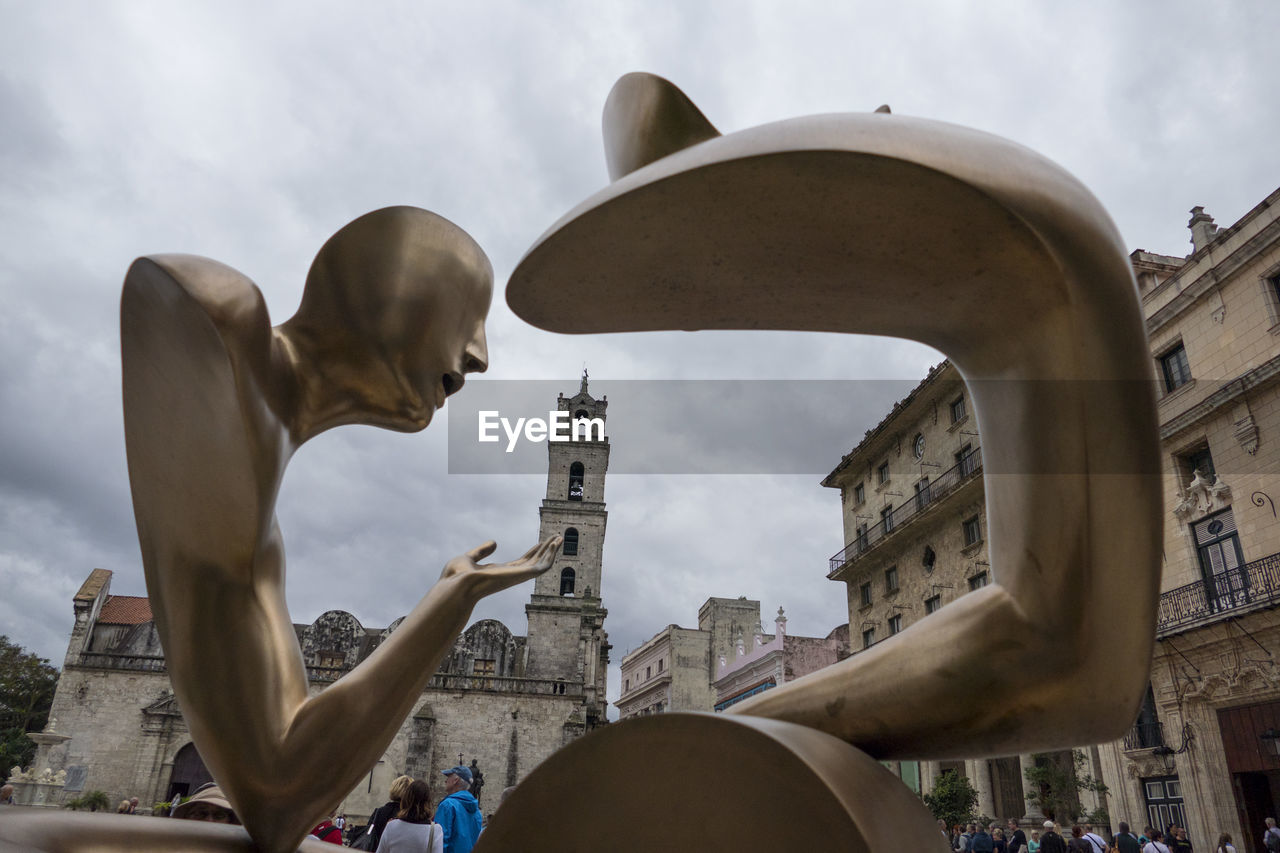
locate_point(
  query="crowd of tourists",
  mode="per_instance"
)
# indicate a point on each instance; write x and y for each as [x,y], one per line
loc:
[1081,838]
[406,823]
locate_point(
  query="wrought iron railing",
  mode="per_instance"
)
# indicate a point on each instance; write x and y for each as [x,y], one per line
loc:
[1145,735]
[945,483]
[1252,585]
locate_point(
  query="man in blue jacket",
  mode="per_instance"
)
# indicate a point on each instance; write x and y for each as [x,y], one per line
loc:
[459,813]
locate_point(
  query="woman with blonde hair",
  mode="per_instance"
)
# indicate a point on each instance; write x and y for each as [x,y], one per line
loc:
[382,814]
[411,831]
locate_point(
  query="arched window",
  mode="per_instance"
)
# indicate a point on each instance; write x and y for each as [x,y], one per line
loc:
[567,578]
[575,481]
[571,542]
[581,415]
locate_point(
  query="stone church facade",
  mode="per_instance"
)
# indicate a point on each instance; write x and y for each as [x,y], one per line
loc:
[505,701]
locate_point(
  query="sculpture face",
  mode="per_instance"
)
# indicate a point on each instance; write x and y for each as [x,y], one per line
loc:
[443,339]
[394,310]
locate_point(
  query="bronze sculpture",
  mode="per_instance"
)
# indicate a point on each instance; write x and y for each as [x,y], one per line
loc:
[216,401]
[849,223]
[882,224]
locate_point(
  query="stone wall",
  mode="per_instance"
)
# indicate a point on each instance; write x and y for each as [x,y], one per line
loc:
[507,735]
[115,745]
[725,619]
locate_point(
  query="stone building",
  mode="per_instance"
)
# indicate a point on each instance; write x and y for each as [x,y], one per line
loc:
[1205,750]
[502,700]
[667,673]
[766,661]
[712,666]
[914,515]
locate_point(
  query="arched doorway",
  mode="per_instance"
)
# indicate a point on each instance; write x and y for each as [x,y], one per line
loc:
[189,773]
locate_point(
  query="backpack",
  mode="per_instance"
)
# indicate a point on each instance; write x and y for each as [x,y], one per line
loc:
[1272,839]
[323,832]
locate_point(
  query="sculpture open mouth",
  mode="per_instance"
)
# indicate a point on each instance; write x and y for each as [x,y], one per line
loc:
[452,383]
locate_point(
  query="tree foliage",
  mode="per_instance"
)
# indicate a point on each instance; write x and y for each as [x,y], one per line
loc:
[953,799]
[1055,786]
[27,682]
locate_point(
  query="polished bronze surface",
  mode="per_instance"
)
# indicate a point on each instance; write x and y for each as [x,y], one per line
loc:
[710,782]
[888,225]
[54,831]
[215,403]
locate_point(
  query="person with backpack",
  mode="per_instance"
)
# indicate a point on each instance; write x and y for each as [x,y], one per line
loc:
[1156,845]
[1125,841]
[1271,838]
[412,830]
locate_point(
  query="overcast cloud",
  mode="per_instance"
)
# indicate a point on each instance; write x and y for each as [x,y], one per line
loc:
[250,132]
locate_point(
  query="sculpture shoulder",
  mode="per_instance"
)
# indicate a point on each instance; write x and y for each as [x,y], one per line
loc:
[230,300]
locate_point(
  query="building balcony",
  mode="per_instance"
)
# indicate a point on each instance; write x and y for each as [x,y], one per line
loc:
[660,679]
[947,482]
[1148,735]
[1253,586]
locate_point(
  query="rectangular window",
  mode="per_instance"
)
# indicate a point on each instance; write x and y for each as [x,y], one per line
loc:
[957,409]
[1174,368]
[886,518]
[862,538]
[891,579]
[895,624]
[1200,460]
[972,532]
[966,460]
[648,673]
[978,581]
[628,687]
[883,472]
[868,638]
[661,664]
[922,493]
[482,667]
[932,604]
[864,593]
[859,494]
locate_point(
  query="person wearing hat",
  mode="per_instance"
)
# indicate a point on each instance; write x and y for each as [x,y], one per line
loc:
[209,804]
[459,812]
[1050,840]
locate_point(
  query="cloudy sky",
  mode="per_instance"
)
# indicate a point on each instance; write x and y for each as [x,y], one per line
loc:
[250,132]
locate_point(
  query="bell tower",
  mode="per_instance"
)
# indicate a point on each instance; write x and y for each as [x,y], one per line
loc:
[567,640]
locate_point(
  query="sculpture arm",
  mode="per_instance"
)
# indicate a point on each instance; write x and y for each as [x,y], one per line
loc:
[304,762]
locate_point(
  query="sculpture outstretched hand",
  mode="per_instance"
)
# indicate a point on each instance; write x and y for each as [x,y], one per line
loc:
[216,401]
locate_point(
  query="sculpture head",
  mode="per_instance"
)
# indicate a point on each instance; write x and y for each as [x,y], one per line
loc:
[392,318]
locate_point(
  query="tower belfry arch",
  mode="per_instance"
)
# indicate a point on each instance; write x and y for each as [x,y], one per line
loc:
[567,640]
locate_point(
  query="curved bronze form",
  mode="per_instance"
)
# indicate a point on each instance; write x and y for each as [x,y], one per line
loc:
[887,225]
[216,401]
[710,782]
